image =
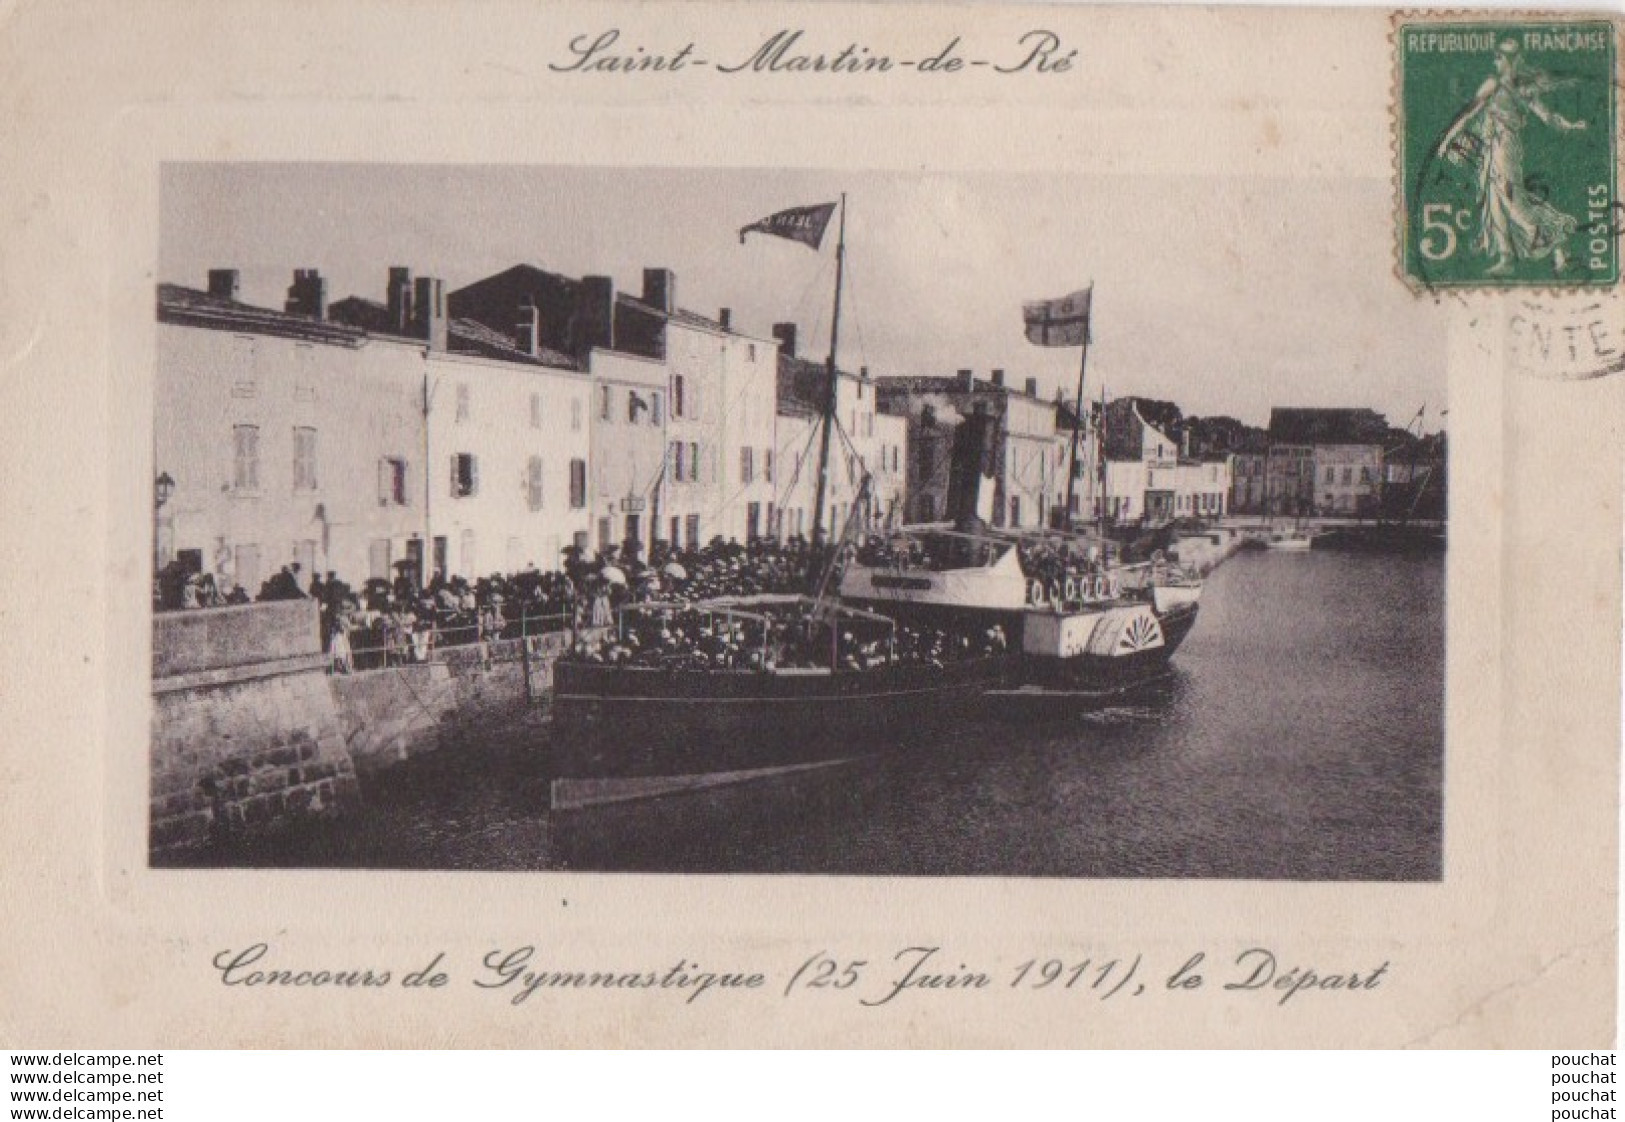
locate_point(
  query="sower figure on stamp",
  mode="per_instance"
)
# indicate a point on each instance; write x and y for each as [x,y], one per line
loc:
[1512,222]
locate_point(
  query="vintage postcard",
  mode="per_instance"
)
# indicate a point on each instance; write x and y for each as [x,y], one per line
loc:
[849,524]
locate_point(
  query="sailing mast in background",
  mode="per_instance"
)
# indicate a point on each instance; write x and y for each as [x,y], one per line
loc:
[1064,322]
[806,224]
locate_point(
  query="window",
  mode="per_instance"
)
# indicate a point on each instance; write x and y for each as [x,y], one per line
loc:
[656,417]
[304,459]
[767,466]
[465,475]
[1365,475]
[1331,475]
[603,403]
[677,461]
[463,401]
[470,557]
[533,483]
[391,481]
[676,528]
[578,484]
[747,465]
[575,414]
[603,534]
[245,447]
[1348,476]
[693,461]
[535,410]
[691,529]
[378,559]
[633,404]
[677,396]
[751,351]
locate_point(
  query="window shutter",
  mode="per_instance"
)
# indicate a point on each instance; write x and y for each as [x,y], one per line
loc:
[473,475]
[454,477]
[386,482]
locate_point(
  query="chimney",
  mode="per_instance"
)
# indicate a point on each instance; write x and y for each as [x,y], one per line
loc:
[398,295]
[1032,387]
[528,331]
[223,283]
[1185,445]
[595,312]
[307,295]
[429,312]
[726,318]
[660,289]
[785,333]
[998,377]
[968,378]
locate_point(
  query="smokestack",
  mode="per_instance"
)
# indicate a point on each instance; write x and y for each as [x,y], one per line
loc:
[969,379]
[969,468]
[1032,387]
[998,377]
[429,312]
[725,317]
[595,312]
[528,331]
[785,333]
[223,283]
[307,295]
[660,289]
[398,295]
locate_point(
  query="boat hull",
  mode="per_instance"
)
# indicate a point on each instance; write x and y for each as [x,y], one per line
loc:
[1090,676]
[612,721]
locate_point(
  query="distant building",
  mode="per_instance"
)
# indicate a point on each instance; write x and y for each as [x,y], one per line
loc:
[629,439]
[1029,452]
[719,395]
[1247,490]
[1149,480]
[865,442]
[1326,461]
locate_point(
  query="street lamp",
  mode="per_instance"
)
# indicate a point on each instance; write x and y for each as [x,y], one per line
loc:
[163,489]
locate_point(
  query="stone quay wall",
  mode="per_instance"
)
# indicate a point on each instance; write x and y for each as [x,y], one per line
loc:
[392,714]
[246,738]
[251,734]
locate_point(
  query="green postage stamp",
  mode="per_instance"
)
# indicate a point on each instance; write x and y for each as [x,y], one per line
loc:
[1507,153]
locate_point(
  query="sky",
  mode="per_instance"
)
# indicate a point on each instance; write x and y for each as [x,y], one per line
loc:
[1227,296]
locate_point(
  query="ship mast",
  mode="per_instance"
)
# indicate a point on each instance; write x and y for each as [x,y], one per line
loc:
[1077,429]
[830,400]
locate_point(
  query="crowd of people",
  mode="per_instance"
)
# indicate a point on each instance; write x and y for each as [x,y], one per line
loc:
[395,622]
[776,637]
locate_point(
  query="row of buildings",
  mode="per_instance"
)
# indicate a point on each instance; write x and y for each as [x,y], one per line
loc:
[494,426]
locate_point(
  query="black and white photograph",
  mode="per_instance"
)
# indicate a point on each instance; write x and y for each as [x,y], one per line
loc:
[784,521]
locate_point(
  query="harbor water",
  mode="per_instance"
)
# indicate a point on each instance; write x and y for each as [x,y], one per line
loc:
[1300,736]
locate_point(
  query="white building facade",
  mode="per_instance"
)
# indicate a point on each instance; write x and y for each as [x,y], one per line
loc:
[291,439]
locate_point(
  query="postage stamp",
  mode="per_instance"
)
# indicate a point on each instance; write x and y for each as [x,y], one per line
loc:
[1507,154]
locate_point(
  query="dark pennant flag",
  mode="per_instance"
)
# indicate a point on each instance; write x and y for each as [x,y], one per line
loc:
[804,224]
